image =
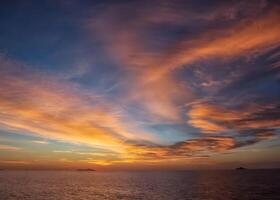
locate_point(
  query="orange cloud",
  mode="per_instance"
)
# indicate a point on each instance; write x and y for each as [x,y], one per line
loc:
[189,149]
[14,162]
[151,77]
[161,98]
[266,135]
[217,119]
[42,105]
[243,38]
[8,148]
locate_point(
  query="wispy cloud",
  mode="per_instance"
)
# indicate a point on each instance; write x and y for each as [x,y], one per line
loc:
[212,69]
[34,103]
[215,119]
[40,142]
[14,162]
[9,148]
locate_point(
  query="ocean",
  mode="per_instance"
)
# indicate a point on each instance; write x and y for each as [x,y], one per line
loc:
[181,185]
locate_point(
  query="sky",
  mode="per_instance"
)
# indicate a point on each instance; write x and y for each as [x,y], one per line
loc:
[139,85]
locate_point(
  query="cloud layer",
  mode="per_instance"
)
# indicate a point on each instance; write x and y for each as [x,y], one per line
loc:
[210,72]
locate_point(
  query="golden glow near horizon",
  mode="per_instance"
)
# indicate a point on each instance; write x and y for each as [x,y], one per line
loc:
[167,88]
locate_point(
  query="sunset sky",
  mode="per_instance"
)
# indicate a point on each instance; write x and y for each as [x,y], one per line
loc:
[129,85]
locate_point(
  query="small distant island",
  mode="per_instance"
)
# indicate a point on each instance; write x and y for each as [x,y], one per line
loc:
[240,168]
[86,170]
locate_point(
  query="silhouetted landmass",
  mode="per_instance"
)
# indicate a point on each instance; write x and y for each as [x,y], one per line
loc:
[240,168]
[86,170]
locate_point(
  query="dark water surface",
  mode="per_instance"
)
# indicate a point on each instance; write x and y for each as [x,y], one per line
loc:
[194,185]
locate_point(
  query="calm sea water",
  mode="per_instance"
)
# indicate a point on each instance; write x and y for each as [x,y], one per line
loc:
[194,185]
